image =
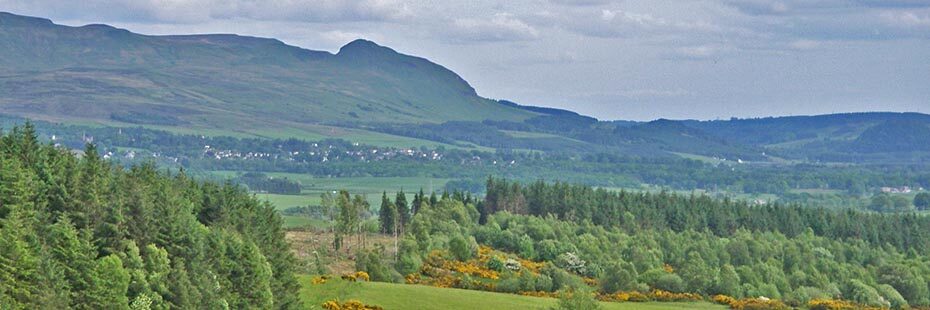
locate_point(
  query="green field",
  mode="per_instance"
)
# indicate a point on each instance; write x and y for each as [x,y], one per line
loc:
[403,296]
[311,188]
[370,187]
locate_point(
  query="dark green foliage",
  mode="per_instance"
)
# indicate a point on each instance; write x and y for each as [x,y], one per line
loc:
[110,285]
[887,203]
[370,261]
[577,299]
[922,201]
[618,276]
[83,233]
[462,248]
[259,182]
[697,212]
[702,245]
[388,215]
[403,209]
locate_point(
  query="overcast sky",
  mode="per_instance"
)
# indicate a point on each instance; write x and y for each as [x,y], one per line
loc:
[627,59]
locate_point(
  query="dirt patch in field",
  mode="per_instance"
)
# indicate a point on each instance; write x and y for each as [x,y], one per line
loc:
[305,242]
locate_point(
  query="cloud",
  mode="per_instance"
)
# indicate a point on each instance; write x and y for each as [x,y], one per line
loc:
[583,2]
[760,7]
[500,27]
[804,44]
[198,11]
[907,18]
[704,51]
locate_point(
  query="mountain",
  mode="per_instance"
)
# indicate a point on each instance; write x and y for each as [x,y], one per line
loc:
[228,84]
[104,74]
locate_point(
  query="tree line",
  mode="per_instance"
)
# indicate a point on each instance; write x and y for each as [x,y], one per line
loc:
[637,210]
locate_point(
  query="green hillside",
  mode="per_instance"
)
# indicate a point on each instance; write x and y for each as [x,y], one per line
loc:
[402,296]
[107,75]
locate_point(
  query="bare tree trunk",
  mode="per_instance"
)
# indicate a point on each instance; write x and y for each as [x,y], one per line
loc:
[395,238]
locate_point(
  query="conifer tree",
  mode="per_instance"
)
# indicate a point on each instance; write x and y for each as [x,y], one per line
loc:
[110,285]
[403,209]
[19,275]
[387,215]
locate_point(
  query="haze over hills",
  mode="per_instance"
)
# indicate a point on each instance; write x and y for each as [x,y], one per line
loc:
[237,84]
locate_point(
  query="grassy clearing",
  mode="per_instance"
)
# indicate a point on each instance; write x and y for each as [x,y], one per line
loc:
[303,222]
[403,296]
[370,187]
[528,134]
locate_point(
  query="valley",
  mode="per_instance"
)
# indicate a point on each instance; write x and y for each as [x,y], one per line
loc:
[224,171]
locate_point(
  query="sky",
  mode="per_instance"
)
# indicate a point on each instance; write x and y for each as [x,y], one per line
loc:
[626,59]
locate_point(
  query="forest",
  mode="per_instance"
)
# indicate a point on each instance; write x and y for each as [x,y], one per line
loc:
[79,232]
[544,239]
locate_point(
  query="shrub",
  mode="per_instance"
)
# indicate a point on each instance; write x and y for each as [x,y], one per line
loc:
[461,249]
[544,283]
[660,295]
[892,296]
[509,285]
[723,299]
[577,300]
[670,282]
[571,262]
[830,304]
[866,295]
[496,264]
[632,296]
[349,305]
[761,303]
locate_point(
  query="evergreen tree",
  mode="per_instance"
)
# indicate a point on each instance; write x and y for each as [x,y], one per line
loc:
[922,201]
[110,285]
[76,256]
[19,274]
[403,209]
[387,215]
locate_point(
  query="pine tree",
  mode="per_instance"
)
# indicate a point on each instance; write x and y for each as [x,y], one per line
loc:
[387,215]
[19,275]
[75,254]
[157,269]
[91,190]
[403,209]
[110,284]
[433,201]
[417,202]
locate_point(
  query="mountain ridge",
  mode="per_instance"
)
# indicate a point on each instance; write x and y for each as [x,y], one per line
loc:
[98,70]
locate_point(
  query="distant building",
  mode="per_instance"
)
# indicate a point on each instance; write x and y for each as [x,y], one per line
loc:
[896,190]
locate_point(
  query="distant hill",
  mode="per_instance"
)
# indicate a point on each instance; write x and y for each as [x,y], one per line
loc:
[226,84]
[101,73]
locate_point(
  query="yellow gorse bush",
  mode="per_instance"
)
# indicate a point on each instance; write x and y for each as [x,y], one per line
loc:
[349,305]
[660,295]
[361,275]
[834,304]
[758,304]
[319,280]
[624,297]
[723,299]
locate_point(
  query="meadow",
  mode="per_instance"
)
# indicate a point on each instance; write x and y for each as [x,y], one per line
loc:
[405,296]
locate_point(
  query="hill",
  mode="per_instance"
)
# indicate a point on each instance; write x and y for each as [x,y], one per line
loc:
[104,74]
[231,85]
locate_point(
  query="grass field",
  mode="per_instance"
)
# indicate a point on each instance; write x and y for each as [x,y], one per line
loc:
[403,296]
[370,187]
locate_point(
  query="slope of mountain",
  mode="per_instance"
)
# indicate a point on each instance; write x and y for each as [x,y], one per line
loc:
[104,74]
